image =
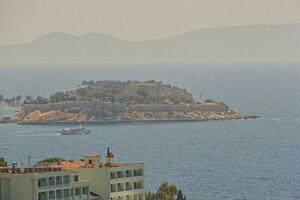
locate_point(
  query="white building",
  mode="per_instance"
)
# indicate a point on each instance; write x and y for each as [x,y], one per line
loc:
[88,179]
[42,184]
[113,181]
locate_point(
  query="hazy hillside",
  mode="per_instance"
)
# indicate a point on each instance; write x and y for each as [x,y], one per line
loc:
[241,43]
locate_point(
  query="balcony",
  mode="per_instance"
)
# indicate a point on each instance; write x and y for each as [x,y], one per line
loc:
[81,183]
[59,180]
[43,196]
[113,175]
[120,175]
[120,187]
[138,185]
[59,194]
[128,186]
[128,173]
[42,182]
[51,181]
[113,188]
[66,180]
[138,172]
[51,195]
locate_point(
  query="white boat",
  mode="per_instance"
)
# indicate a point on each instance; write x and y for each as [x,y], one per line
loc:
[75,131]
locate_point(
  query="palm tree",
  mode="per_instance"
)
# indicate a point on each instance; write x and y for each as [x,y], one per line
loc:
[167,192]
[3,163]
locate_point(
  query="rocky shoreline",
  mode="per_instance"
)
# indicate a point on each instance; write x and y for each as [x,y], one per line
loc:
[57,117]
[125,121]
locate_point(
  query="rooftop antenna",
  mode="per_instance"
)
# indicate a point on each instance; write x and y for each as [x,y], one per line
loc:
[109,156]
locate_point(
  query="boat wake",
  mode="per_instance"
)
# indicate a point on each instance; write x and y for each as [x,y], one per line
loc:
[33,131]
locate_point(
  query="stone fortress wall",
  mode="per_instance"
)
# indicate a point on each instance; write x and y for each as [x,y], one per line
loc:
[118,107]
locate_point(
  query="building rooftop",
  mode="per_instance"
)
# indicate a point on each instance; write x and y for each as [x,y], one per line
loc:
[66,165]
[89,161]
[27,170]
[74,164]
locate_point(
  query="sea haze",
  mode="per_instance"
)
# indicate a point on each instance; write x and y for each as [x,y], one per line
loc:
[238,159]
[258,43]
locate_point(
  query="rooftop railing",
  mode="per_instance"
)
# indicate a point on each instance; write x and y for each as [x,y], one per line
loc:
[26,170]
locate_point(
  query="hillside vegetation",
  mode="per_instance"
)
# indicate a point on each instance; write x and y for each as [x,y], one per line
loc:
[129,92]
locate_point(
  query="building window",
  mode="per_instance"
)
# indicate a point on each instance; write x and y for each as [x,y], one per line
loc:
[42,182]
[113,175]
[120,187]
[58,194]
[138,185]
[85,190]
[76,178]
[120,174]
[51,195]
[77,191]
[66,179]
[113,188]
[128,186]
[138,172]
[51,181]
[58,180]
[128,173]
[66,192]
[42,196]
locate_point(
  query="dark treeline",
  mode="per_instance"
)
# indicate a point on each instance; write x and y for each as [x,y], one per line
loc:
[130,92]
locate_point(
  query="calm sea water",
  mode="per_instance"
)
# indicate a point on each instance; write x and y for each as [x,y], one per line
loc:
[241,159]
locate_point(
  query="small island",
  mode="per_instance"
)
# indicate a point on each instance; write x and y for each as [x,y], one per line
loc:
[130,101]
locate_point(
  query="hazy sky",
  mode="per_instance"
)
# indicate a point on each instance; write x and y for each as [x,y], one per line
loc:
[25,20]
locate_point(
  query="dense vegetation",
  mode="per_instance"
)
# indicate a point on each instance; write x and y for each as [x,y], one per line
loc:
[51,160]
[165,192]
[10,101]
[130,92]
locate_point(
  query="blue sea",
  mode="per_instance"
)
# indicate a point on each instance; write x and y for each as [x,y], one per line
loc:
[238,159]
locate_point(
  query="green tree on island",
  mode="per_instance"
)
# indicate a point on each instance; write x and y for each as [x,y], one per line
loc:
[143,92]
[28,98]
[165,191]
[18,98]
[209,101]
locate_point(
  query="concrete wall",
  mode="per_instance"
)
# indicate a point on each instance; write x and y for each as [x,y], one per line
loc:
[17,187]
[72,105]
[117,107]
[5,189]
[178,108]
[99,180]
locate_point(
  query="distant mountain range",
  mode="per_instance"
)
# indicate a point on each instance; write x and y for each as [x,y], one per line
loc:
[238,43]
